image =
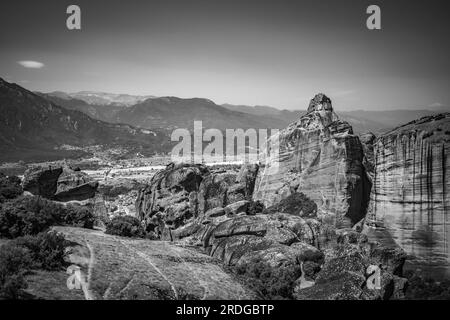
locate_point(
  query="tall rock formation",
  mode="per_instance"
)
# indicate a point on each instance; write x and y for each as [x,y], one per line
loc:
[410,197]
[321,157]
[319,190]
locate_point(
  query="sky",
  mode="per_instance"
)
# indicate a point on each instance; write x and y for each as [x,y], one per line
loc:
[276,53]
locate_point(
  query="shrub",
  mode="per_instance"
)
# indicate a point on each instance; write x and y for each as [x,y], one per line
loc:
[78,216]
[27,215]
[269,282]
[255,207]
[420,288]
[24,216]
[125,226]
[296,204]
[19,256]
[47,249]
[10,187]
[14,263]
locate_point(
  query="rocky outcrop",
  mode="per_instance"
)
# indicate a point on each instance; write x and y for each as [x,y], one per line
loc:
[74,185]
[345,273]
[320,157]
[217,214]
[317,193]
[42,181]
[410,195]
[367,141]
[184,197]
[59,183]
[229,240]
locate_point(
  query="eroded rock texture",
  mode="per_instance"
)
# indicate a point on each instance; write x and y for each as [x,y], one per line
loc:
[321,157]
[410,196]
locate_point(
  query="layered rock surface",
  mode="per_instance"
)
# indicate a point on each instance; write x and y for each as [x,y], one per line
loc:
[122,268]
[180,198]
[410,197]
[321,157]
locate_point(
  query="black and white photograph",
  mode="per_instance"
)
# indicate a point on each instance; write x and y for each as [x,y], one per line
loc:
[190,150]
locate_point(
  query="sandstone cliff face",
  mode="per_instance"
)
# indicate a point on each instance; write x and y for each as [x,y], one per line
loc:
[410,197]
[321,157]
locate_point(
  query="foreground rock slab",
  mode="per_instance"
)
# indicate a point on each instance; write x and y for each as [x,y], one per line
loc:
[123,268]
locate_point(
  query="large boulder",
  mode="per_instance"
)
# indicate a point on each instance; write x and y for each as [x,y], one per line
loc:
[42,180]
[319,156]
[237,237]
[59,183]
[170,200]
[185,197]
[74,185]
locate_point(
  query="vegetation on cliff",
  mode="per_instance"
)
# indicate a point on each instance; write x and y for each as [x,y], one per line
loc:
[125,226]
[26,220]
[28,215]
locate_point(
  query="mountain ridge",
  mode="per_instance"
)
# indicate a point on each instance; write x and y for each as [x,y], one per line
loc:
[169,112]
[35,128]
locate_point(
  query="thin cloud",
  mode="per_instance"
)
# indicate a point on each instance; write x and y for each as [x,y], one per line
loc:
[436,104]
[31,64]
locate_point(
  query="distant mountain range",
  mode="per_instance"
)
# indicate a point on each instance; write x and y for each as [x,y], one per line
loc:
[167,113]
[40,126]
[172,112]
[102,98]
[361,120]
[35,129]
